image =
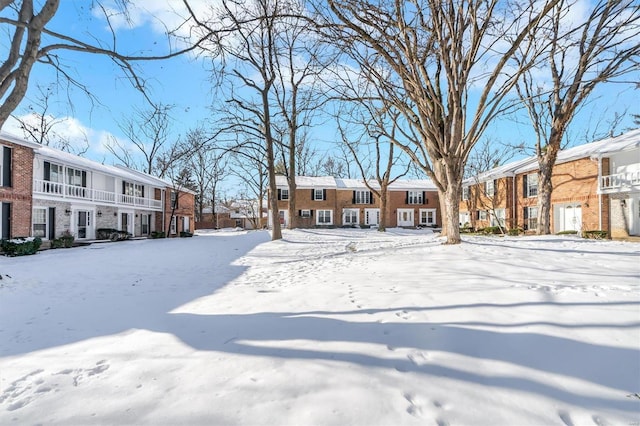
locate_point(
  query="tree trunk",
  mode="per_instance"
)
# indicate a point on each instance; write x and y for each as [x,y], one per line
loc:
[451,174]
[450,207]
[382,226]
[293,217]
[546,161]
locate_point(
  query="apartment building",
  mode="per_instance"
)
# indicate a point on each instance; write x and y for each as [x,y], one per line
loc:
[326,201]
[596,186]
[46,192]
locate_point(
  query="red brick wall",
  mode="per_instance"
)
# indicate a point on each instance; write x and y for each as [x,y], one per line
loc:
[186,208]
[20,193]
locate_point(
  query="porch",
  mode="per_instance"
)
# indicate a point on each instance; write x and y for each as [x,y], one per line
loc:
[73,192]
[619,182]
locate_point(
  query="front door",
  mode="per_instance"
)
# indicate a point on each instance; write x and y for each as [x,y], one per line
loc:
[84,225]
[572,218]
[405,217]
[126,222]
[634,215]
[372,217]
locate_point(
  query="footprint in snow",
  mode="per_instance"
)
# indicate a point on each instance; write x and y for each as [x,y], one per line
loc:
[565,417]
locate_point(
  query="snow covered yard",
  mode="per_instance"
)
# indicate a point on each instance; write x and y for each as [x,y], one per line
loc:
[327,327]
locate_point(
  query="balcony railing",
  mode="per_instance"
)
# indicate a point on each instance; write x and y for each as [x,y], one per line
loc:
[63,190]
[620,181]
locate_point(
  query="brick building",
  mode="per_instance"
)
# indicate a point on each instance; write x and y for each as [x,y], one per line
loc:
[596,186]
[46,192]
[16,171]
[334,202]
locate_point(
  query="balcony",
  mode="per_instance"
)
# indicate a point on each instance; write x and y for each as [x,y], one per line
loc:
[619,182]
[97,196]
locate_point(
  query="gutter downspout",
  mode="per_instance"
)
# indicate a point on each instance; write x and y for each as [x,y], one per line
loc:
[513,201]
[164,209]
[599,192]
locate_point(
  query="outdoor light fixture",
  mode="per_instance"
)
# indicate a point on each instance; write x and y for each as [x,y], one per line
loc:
[99,213]
[67,212]
[623,203]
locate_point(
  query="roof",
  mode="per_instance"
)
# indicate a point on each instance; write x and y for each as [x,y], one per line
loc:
[624,142]
[308,181]
[415,184]
[18,141]
[81,162]
[355,184]
[502,171]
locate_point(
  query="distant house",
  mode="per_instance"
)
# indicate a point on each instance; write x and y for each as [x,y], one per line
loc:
[326,201]
[245,214]
[596,186]
[49,191]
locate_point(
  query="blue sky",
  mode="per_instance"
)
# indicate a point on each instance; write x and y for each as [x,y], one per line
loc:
[183,82]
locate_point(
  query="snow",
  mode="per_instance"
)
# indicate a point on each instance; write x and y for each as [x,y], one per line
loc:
[325,327]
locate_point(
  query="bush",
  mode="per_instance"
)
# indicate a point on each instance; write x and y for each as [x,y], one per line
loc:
[158,234]
[184,234]
[466,230]
[492,230]
[65,240]
[20,246]
[567,232]
[513,232]
[595,234]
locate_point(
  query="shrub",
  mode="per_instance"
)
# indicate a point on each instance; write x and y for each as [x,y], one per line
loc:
[20,246]
[513,232]
[492,230]
[158,234]
[595,234]
[569,232]
[184,234]
[466,230]
[65,240]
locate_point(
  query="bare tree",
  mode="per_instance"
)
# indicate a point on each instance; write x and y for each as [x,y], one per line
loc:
[250,58]
[149,131]
[41,127]
[428,57]
[300,60]
[208,165]
[373,130]
[579,54]
[485,193]
[31,41]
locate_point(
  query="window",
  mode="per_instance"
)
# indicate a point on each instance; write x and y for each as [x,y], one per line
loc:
[134,189]
[498,217]
[305,213]
[415,197]
[5,221]
[531,217]
[481,215]
[319,194]
[174,199]
[531,185]
[489,188]
[53,172]
[428,217]
[283,194]
[362,197]
[350,216]
[173,225]
[5,166]
[76,177]
[465,192]
[324,217]
[39,222]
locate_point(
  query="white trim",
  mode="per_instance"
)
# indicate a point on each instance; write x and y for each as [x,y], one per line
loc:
[330,222]
[351,213]
[426,222]
[367,217]
[407,214]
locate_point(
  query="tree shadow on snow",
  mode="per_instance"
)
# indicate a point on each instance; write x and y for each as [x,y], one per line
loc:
[267,335]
